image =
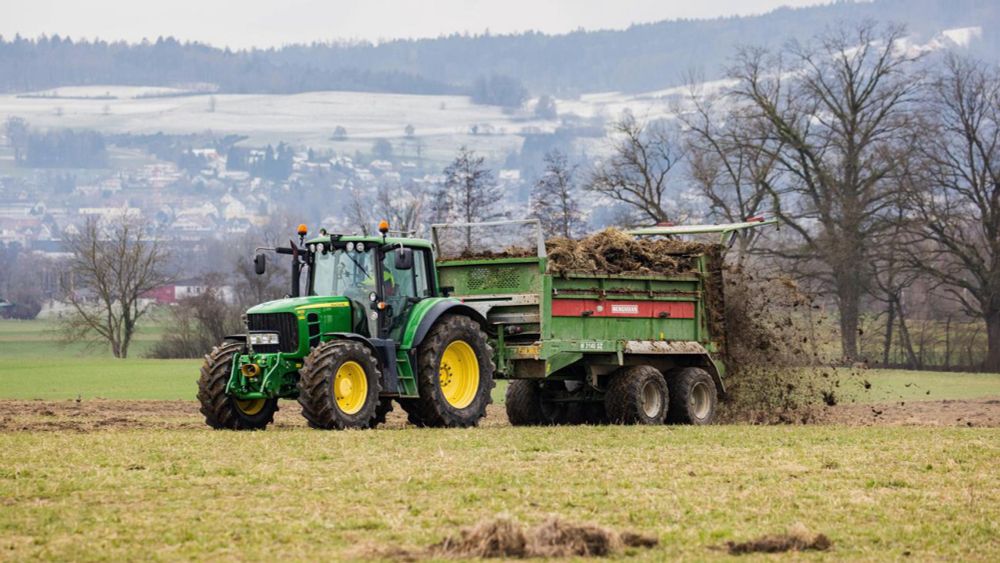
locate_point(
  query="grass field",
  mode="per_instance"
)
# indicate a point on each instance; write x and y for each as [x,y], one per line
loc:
[880,493]
[182,492]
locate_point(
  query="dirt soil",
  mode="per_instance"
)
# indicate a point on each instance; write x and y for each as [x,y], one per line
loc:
[107,415]
[103,414]
[970,412]
[798,538]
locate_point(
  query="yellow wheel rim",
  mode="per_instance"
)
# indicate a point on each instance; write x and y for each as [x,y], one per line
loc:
[459,374]
[250,407]
[350,387]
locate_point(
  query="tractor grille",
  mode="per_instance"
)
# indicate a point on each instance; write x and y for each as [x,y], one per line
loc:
[284,324]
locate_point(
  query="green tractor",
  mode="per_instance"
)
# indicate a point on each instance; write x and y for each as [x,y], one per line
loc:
[365,323]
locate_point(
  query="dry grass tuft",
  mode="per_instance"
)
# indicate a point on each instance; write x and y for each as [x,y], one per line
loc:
[499,537]
[797,538]
[557,538]
[503,537]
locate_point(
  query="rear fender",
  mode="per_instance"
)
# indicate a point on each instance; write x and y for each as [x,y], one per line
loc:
[424,318]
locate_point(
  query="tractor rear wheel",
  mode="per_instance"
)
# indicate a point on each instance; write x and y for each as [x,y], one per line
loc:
[339,386]
[223,411]
[637,395]
[693,397]
[454,374]
[527,405]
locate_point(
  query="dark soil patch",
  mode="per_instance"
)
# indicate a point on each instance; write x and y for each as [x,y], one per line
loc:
[978,413]
[798,538]
[103,415]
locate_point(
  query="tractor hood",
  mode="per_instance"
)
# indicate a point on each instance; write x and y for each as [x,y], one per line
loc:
[300,305]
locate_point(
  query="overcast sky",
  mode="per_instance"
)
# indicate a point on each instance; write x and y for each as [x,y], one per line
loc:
[246,23]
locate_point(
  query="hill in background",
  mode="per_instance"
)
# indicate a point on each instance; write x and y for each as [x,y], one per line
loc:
[492,68]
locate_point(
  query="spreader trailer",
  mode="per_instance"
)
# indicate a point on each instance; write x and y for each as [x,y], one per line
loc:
[592,347]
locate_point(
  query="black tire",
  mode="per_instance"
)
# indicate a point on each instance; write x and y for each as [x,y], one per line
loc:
[317,393]
[637,395]
[693,397]
[223,411]
[527,405]
[414,412]
[433,408]
[523,402]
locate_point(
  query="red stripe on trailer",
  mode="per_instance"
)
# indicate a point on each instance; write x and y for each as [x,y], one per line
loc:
[624,309]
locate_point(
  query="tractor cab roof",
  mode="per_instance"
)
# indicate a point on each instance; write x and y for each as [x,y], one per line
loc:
[395,241]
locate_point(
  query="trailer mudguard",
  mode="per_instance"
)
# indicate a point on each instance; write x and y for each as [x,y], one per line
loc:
[428,311]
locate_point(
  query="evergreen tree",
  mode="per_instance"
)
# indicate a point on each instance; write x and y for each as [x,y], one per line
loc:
[553,198]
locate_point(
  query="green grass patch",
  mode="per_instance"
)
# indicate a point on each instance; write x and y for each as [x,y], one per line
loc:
[878,493]
[889,385]
[89,378]
[40,339]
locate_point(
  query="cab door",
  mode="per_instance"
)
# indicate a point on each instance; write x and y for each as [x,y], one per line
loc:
[402,288]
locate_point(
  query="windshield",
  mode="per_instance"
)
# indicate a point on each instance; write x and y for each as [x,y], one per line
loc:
[350,273]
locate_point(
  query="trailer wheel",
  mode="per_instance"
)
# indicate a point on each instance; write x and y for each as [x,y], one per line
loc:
[637,395]
[526,405]
[454,374]
[339,386]
[221,410]
[693,397]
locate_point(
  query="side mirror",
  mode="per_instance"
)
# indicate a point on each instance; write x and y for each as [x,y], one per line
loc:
[403,259]
[259,264]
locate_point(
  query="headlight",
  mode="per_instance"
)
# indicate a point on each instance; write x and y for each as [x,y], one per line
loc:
[263,338]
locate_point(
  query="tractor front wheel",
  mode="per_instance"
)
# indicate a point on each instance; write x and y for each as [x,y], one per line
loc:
[221,410]
[339,386]
[637,395]
[455,375]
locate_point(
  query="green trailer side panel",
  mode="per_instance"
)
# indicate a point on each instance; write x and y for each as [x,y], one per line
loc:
[492,277]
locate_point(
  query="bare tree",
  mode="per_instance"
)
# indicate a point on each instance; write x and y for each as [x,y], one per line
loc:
[892,276]
[360,211]
[730,170]
[955,196]
[111,269]
[402,206]
[637,171]
[836,122]
[553,199]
